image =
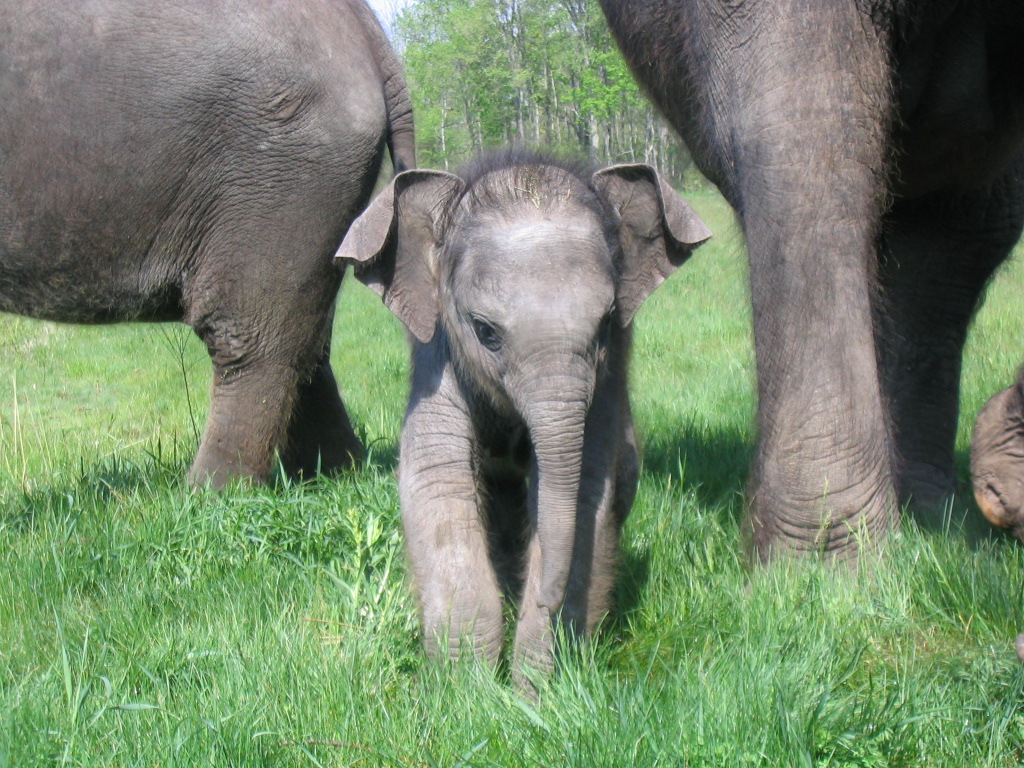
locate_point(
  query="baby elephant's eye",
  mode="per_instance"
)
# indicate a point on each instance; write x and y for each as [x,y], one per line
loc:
[486,335]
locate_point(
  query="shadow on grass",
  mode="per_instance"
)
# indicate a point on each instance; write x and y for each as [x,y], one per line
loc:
[711,463]
[634,572]
[107,481]
[714,465]
[382,453]
[117,477]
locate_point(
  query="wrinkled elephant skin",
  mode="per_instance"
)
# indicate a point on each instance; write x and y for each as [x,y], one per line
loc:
[518,281]
[200,162]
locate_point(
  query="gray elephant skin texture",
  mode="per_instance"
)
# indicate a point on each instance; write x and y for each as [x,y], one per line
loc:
[200,162]
[873,152]
[518,281]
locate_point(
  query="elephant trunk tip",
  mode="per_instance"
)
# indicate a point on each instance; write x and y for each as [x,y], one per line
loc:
[551,598]
[554,582]
[993,503]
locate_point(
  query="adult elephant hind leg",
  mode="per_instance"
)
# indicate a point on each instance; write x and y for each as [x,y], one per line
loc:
[262,319]
[320,436]
[251,399]
[935,257]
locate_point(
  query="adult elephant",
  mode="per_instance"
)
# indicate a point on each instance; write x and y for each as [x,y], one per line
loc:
[200,161]
[874,152]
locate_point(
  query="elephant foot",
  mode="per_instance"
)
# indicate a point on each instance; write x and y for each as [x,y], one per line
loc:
[838,526]
[531,669]
[320,435]
[341,451]
[449,637]
[214,468]
[927,488]
[1019,645]
[997,460]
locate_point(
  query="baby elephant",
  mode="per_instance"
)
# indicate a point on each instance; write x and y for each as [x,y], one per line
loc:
[518,463]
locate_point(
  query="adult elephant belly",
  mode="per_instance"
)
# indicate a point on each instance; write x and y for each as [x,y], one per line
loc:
[200,162]
[861,293]
[91,259]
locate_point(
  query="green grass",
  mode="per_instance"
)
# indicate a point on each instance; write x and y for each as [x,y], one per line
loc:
[144,625]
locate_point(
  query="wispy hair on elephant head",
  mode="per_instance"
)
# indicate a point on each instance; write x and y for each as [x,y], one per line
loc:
[501,181]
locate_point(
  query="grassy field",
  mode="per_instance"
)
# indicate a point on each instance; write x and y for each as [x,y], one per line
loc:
[144,625]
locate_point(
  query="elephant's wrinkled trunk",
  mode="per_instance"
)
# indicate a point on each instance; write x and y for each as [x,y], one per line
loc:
[555,411]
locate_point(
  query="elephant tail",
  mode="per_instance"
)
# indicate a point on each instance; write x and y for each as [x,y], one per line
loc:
[400,136]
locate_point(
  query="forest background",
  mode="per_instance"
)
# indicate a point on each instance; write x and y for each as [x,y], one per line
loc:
[544,73]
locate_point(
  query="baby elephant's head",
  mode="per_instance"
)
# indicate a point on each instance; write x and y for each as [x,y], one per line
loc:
[532,268]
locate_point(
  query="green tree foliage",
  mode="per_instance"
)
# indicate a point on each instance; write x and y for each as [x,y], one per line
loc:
[487,73]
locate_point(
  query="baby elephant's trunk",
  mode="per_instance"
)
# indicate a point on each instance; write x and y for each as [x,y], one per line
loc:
[559,462]
[556,415]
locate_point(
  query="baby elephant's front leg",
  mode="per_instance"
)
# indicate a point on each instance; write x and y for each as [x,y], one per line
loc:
[460,601]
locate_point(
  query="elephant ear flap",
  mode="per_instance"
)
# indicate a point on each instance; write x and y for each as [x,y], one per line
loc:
[393,246]
[658,230]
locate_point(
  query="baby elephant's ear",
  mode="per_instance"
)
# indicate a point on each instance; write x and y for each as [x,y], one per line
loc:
[658,232]
[393,244]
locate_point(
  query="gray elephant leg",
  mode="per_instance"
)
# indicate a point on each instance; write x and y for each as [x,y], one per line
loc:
[459,595]
[609,528]
[257,369]
[795,110]
[261,318]
[588,597]
[607,489]
[259,362]
[936,255]
[249,403]
[822,476]
[320,435]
